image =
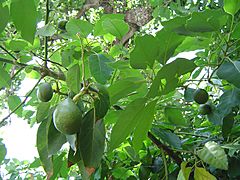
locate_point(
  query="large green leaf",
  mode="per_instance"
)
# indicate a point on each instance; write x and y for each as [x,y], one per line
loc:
[175,116]
[230,71]
[92,140]
[4,17]
[13,102]
[74,26]
[98,64]
[144,124]
[116,27]
[231,6]
[184,173]
[24,16]
[206,21]
[126,123]
[74,78]
[42,111]
[201,173]
[214,155]
[167,77]
[5,78]
[42,146]
[102,104]
[47,30]
[168,42]
[3,151]
[145,52]
[168,137]
[99,28]
[57,165]
[55,139]
[122,88]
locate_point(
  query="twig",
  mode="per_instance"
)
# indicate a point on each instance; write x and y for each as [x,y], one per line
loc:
[169,151]
[23,102]
[46,37]
[8,52]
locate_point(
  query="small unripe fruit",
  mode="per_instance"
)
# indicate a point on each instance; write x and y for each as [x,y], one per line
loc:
[200,96]
[45,92]
[62,25]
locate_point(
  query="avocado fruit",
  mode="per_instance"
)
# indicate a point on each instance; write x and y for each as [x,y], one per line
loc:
[200,96]
[45,92]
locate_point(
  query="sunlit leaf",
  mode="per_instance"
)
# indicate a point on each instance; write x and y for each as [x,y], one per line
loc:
[4,17]
[231,6]
[201,173]
[74,78]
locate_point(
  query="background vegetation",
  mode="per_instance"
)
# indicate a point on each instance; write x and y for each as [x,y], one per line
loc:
[119,61]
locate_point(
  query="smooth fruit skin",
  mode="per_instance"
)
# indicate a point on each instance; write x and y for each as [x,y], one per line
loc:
[62,25]
[45,92]
[200,96]
[67,117]
[205,109]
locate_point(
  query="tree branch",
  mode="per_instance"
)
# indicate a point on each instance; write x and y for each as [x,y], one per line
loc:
[10,54]
[168,151]
[46,37]
[23,102]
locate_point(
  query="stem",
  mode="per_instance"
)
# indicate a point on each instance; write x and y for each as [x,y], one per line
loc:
[165,164]
[8,52]
[83,64]
[231,28]
[191,134]
[162,146]
[23,102]
[46,38]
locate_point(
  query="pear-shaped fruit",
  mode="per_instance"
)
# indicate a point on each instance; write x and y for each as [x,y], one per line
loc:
[45,92]
[200,96]
[205,109]
[67,117]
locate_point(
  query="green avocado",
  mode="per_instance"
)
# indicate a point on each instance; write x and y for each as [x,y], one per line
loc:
[62,25]
[67,117]
[45,92]
[200,96]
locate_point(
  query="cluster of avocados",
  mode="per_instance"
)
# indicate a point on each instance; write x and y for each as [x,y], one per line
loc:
[67,117]
[201,96]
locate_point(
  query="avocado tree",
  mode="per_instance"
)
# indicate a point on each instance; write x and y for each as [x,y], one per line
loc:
[116,95]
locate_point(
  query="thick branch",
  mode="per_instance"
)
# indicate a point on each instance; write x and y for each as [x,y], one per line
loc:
[40,70]
[168,151]
[87,6]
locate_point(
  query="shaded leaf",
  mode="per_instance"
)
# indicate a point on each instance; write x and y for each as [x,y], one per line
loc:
[99,68]
[24,18]
[4,17]
[5,78]
[127,121]
[168,137]
[144,124]
[47,30]
[84,28]
[74,78]
[175,116]
[42,111]
[184,173]
[13,102]
[3,151]
[145,52]
[214,155]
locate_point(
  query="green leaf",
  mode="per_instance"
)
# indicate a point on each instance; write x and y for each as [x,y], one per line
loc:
[206,21]
[47,30]
[127,121]
[116,27]
[74,78]
[175,116]
[231,6]
[168,42]
[230,71]
[201,173]
[42,146]
[55,139]
[24,18]
[123,87]
[184,173]
[5,79]
[227,125]
[234,164]
[3,151]
[144,124]
[13,102]
[99,28]
[74,26]
[145,52]
[42,111]
[99,68]
[168,137]
[167,77]
[17,45]
[92,140]
[102,104]
[57,164]
[4,17]
[214,155]
[74,157]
